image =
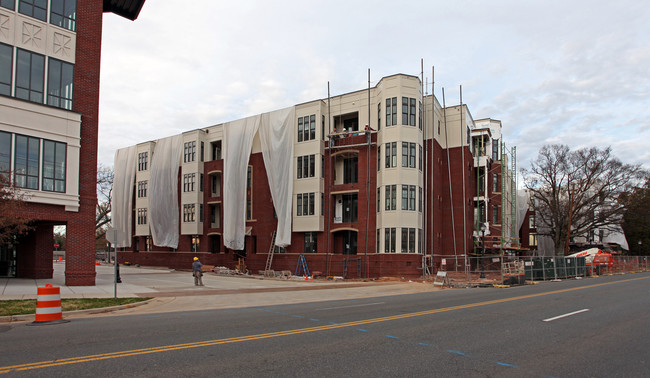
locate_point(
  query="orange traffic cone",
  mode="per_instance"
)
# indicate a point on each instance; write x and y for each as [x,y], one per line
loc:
[48,306]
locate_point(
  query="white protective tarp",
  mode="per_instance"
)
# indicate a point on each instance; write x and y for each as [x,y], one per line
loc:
[276,136]
[163,192]
[238,143]
[523,200]
[122,193]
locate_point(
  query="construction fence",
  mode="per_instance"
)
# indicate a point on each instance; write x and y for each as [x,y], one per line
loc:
[488,270]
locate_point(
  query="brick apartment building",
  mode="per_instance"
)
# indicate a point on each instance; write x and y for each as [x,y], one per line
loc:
[377,182]
[49,105]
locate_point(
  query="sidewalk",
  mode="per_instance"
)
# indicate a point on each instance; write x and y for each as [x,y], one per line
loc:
[175,291]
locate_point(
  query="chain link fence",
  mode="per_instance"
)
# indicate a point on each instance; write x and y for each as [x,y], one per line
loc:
[490,270]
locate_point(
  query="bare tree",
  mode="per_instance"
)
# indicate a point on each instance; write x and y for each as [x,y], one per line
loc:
[636,221]
[577,189]
[13,223]
[104,192]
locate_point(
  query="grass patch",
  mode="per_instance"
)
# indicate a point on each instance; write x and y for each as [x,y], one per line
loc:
[28,306]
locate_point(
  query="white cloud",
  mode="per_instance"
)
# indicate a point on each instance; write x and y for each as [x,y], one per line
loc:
[551,71]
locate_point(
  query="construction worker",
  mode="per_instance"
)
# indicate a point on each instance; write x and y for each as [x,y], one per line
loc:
[196,272]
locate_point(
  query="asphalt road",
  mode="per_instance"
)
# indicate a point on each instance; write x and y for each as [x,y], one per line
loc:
[580,328]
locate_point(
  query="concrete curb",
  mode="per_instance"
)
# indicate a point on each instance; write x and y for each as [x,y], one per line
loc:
[98,310]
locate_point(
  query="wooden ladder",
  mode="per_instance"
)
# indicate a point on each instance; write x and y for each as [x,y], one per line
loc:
[269,258]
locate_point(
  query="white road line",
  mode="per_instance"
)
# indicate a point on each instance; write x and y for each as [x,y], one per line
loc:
[359,305]
[565,315]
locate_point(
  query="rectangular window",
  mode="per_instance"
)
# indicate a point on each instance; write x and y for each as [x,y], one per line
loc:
[393,239]
[390,234]
[189,212]
[495,149]
[495,214]
[312,202]
[305,204]
[9,4]
[312,165]
[387,155]
[142,216]
[350,208]
[59,84]
[387,198]
[411,155]
[378,199]
[305,130]
[393,197]
[26,162]
[33,8]
[421,199]
[377,240]
[411,240]
[54,162]
[495,182]
[394,154]
[6,64]
[5,152]
[300,129]
[412,112]
[531,221]
[142,189]
[405,111]
[201,182]
[405,154]
[420,159]
[30,76]
[312,127]
[388,117]
[391,111]
[299,204]
[405,240]
[405,197]
[379,118]
[143,159]
[420,118]
[249,209]
[63,13]
[532,240]
[412,197]
[351,170]
[189,151]
[216,150]
[378,157]
[299,167]
[311,242]
[249,177]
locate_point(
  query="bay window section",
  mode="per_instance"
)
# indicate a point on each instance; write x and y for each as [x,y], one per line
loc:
[30,74]
[59,84]
[26,162]
[33,8]
[6,63]
[5,152]
[63,13]
[54,162]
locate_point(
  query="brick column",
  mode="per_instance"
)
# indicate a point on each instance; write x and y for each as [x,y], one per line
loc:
[35,253]
[80,252]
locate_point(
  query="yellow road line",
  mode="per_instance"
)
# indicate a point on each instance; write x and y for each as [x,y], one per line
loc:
[167,348]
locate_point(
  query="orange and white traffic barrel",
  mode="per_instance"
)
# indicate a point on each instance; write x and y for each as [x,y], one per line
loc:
[48,305]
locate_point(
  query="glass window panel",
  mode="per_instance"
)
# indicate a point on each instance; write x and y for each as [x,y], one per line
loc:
[6,62]
[5,151]
[9,4]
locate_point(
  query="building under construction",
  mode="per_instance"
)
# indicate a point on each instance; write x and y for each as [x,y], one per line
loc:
[383,181]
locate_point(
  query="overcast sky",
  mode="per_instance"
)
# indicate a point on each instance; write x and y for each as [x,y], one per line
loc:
[571,71]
